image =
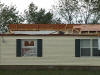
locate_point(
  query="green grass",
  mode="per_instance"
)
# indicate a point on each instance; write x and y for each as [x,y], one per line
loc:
[49,72]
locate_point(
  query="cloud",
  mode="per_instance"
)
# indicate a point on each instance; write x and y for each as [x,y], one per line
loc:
[23,4]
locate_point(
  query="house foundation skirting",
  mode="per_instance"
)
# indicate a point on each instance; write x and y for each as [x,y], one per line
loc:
[49,67]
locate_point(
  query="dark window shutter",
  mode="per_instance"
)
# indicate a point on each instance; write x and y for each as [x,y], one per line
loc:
[18,47]
[39,47]
[77,48]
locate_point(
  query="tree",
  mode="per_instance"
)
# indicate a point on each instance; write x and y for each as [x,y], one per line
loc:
[79,11]
[8,15]
[67,9]
[56,21]
[93,10]
[38,16]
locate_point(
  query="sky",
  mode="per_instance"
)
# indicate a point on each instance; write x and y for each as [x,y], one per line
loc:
[21,5]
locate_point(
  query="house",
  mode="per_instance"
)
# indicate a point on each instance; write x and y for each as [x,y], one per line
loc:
[80,49]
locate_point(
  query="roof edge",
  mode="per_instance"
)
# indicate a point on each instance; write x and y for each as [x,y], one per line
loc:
[49,34]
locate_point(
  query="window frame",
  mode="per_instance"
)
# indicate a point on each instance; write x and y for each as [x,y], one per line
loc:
[85,47]
[39,46]
[91,48]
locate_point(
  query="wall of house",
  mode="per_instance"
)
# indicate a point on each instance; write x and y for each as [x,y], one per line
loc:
[57,50]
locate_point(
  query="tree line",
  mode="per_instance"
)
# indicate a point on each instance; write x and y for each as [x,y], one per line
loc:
[79,11]
[32,15]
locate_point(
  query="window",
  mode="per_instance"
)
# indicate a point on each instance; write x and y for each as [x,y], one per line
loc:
[86,47]
[96,51]
[85,52]
[29,47]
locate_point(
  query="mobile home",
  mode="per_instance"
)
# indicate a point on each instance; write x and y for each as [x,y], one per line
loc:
[50,49]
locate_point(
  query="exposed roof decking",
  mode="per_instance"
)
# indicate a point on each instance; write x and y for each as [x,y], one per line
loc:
[54,27]
[37,27]
[88,27]
[74,28]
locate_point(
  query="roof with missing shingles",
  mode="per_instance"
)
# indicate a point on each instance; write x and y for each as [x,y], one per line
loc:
[88,27]
[53,27]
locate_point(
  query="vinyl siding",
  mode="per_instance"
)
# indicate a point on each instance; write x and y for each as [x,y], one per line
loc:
[57,50]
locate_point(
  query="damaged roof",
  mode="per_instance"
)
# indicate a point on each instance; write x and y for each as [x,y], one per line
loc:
[53,27]
[89,27]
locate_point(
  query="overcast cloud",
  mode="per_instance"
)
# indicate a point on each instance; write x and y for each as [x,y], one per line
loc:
[21,5]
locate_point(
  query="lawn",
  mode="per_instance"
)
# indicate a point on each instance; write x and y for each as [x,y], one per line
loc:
[49,72]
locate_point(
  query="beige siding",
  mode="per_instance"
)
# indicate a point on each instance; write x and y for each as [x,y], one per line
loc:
[57,50]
